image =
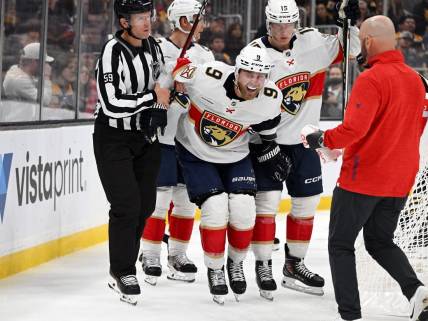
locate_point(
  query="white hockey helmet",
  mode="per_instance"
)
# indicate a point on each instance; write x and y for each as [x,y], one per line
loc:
[253,59]
[282,11]
[182,8]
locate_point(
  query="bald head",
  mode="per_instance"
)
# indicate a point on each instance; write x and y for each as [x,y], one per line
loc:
[377,34]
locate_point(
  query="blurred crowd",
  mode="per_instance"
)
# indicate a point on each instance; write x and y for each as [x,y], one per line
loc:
[74,46]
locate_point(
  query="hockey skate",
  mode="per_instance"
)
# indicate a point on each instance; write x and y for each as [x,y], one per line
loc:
[126,286]
[298,277]
[152,269]
[237,282]
[181,268]
[276,244]
[265,280]
[217,285]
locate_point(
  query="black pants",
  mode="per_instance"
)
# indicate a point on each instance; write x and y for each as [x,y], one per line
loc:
[128,168]
[378,217]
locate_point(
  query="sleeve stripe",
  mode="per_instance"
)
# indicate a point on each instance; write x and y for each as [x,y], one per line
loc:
[116,104]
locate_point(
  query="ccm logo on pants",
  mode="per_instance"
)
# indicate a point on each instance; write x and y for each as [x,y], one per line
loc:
[312,180]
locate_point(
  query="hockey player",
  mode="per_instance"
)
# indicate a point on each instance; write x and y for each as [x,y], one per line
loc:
[227,103]
[131,109]
[181,14]
[300,57]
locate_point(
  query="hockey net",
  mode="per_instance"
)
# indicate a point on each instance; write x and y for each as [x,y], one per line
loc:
[379,293]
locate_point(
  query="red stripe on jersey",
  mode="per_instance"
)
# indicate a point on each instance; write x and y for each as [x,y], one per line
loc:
[316,85]
[239,240]
[339,56]
[181,228]
[195,114]
[213,240]
[154,229]
[299,229]
[264,229]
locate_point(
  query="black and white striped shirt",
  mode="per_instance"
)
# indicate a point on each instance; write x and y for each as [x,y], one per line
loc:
[125,80]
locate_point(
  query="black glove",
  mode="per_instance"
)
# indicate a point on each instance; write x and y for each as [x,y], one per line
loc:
[151,120]
[269,155]
[315,140]
[351,11]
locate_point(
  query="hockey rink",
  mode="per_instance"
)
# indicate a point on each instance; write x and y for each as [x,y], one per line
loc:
[75,288]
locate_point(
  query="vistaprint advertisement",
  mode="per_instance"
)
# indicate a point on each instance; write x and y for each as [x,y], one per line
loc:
[49,186]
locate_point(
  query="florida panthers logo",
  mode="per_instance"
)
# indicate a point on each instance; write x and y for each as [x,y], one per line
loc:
[217,131]
[294,89]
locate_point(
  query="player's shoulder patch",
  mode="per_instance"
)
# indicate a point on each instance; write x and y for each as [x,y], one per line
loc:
[271,91]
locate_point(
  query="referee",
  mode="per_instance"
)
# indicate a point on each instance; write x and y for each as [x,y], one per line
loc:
[131,109]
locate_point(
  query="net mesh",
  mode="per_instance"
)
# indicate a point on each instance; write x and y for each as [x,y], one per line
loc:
[378,291]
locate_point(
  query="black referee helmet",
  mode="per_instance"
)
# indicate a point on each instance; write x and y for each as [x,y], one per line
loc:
[124,8]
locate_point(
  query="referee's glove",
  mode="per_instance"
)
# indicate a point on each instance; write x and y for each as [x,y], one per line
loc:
[152,120]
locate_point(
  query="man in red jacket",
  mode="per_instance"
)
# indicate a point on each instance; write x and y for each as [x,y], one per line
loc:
[380,134]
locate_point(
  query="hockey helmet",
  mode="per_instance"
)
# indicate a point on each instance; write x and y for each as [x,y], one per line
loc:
[124,8]
[282,11]
[182,8]
[253,59]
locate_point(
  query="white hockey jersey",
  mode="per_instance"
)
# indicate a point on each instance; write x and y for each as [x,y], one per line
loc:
[300,73]
[215,129]
[197,54]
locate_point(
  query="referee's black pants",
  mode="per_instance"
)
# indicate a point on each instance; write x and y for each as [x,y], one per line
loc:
[128,168]
[378,217]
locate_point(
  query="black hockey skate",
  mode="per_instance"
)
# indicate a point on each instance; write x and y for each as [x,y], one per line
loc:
[152,269]
[276,244]
[217,285]
[265,280]
[237,282]
[296,270]
[181,268]
[126,286]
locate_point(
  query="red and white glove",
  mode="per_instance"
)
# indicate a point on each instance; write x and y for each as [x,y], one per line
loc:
[181,62]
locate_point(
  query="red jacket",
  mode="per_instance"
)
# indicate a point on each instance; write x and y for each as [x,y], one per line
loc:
[381,130]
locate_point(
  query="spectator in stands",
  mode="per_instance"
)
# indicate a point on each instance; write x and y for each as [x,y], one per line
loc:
[420,12]
[412,53]
[365,12]
[234,41]
[88,95]
[408,23]
[21,81]
[217,47]
[61,34]
[395,11]
[323,17]
[332,97]
[217,26]
[65,74]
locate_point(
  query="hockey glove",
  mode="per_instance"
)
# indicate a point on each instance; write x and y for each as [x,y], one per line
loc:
[269,155]
[312,137]
[348,10]
[181,63]
[153,119]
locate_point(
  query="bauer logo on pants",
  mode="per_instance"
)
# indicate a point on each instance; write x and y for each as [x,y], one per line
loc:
[218,131]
